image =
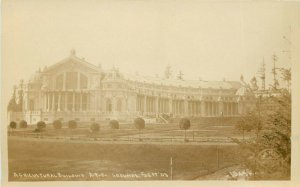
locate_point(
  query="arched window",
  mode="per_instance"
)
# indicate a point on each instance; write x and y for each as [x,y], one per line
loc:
[119,105]
[59,82]
[83,81]
[71,80]
[108,105]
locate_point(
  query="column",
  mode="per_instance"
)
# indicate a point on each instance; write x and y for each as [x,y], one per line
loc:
[45,101]
[73,102]
[202,106]
[208,108]
[80,103]
[64,81]
[156,105]
[226,109]
[78,80]
[48,101]
[144,103]
[88,101]
[53,101]
[66,101]
[215,108]
[194,108]
[221,108]
[58,102]
[170,106]
[173,106]
[185,105]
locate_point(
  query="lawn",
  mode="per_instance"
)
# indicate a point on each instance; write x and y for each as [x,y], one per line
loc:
[67,160]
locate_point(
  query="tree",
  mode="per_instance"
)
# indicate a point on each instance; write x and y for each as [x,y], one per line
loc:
[40,126]
[242,126]
[184,124]
[57,124]
[268,154]
[286,76]
[139,123]
[23,124]
[95,127]
[249,122]
[114,124]
[12,125]
[180,75]
[72,124]
[168,72]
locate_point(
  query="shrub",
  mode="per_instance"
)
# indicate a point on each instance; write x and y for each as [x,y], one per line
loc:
[139,123]
[95,127]
[72,124]
[41,125]
[36,130]
[13,125]
[57,124]
[23,124]
[184,124]
[114,124]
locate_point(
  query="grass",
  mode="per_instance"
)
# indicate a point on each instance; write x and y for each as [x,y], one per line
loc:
[189,161]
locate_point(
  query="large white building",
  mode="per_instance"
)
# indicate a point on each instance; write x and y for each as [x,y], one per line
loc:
[74,89]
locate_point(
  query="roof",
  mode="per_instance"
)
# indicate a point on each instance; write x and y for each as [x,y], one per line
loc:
[74,58]
[184,83]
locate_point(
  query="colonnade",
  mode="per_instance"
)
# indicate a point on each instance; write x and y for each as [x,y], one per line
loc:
[66,101]
[158,105]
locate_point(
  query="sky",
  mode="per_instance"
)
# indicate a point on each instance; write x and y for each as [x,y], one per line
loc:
[213,40]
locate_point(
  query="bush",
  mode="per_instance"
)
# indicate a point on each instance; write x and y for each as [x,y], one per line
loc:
[95,127]
[57,124]
[114,124]
[72,124]
[139,123]
[13,125]
[184,124]
[41,125]
[23,124]
[36,130]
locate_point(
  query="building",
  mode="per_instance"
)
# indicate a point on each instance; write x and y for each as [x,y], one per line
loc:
[74,89]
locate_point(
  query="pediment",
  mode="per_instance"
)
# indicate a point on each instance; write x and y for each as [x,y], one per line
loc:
[72,64]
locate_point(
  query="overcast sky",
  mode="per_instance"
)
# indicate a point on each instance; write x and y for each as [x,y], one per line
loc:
[202,39]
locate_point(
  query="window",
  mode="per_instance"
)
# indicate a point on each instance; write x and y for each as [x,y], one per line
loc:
[70,101]
[31,104]
[108,105]
[77,101]
[59,82]
[119,105]
[84,102]
[83,81]
[71,80]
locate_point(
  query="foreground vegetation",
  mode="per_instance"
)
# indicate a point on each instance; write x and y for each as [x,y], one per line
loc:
[189,161]
[267,154]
